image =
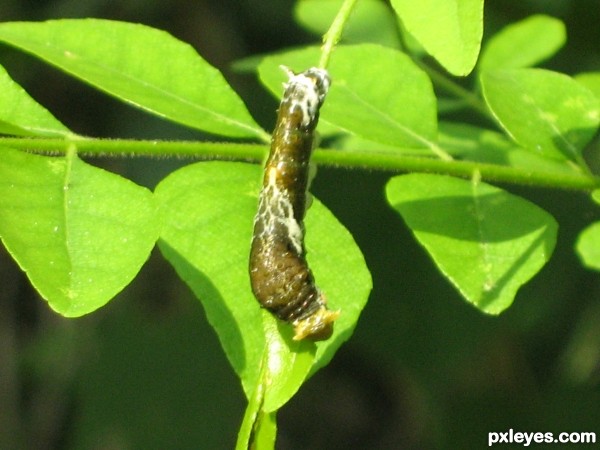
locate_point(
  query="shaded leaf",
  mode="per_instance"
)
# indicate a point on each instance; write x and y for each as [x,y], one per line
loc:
[80,233]
[21,115]
[478,144]
[145,67]
[485,241]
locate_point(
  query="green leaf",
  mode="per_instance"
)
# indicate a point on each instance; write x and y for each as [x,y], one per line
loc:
[477,144]
[523,44]
[209,209]
[485,241]
[371,20]
[145,67]
[546,112]
[286,363]
[352,143]
[449,30]
[266,433]
[80,233]
[22,116]
[588,242]
[398,108]
[258,430]
[588,246]
[590,80]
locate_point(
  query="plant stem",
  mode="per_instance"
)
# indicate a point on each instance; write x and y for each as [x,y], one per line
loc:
[334,34]
[365,159]
[152,148]
[455,89]
[466,169]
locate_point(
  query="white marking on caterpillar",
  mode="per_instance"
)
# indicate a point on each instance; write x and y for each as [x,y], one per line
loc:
[280,277]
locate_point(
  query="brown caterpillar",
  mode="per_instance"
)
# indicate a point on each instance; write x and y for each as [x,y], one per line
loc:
[280,277]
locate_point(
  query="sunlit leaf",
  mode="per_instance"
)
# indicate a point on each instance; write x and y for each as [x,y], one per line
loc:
[209,210]
[80,233]
[546,112]
[389,100]
[523,44]
[140,65]
[450,30]
[487,242]
[590,80]
[588,242]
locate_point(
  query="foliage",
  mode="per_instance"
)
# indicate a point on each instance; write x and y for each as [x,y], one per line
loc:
[81,233]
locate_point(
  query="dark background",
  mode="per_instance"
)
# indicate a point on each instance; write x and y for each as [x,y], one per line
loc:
[424,370]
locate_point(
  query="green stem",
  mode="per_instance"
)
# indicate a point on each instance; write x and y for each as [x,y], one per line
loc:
[365,159]
[455,89]
[334,34]
[127,147]
[465,169]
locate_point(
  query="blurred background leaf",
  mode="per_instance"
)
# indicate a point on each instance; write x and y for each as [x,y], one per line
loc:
[537,37]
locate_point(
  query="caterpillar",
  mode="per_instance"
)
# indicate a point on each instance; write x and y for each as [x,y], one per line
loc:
[280,277]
